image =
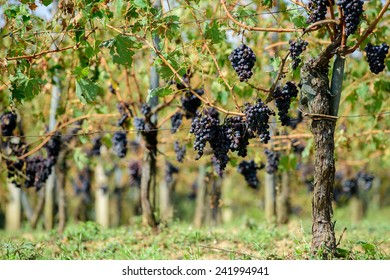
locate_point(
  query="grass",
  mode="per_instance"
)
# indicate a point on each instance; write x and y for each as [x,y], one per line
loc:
[238,240]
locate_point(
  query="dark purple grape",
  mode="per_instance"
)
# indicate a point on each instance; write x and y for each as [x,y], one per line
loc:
[376,56]
[243,59]
[119,141]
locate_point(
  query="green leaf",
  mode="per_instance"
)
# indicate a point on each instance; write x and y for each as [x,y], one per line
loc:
[367,247]
[275,63]
[363,91]
[121,49]
[80,158]
[46,2]
[214,33]
[81,72]
[160,92]
[86,90]
[267,3]
[140,3]
[24,88]
[164,71]
[246,15]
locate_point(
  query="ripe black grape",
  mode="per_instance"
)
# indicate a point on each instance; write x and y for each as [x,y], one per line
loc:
[352,9]
[96,144]
[367,180]
[176,121]
[180,151]
[120,143]
[170,169]
[257,116]
[124,110]
[8,123]
[249,170]
[38,170]
[139,124]
[283,100]
[243,59]
[237,134]
[191,103]
[135,170]
[205,129]
[53,147]
[318,10]
[272,161]
[82,185]
[145,109]
[376,56]
[296,48]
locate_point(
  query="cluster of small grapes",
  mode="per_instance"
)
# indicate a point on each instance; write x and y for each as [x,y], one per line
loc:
[243,59]
[296,49]
[82,186]
[283,100]
[170,169]
[205,128]
[135,171]
[257,116]
[53,147]
[8,123]
[145,109]
[238,135]
[96,145]
[352,10]
[220,145]
[318,10]
[180,151]
[190,102]
[176,121]
[16,148]
[272,161]
[366,179]
[376,56]
[38,169]
[120,143]
[249,170]
[123,109]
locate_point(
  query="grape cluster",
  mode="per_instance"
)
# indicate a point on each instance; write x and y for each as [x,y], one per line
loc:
[352,9]
[16,148]
[82,186]
[146,109]
[283,100]
[191,103]
[318,10]
[296,49]
[350,187]
[257,116]
[120,143]
[376,56]
[272,161]
[180,151]
[8,123]
[243,59]
[176,121]
[96,145]
[53,147]
[124,110]
[220,145]
[249,170]
[367,180]
[135,171]
[170,169]
[38,170]
[139,124]
[238,135]
[205,128]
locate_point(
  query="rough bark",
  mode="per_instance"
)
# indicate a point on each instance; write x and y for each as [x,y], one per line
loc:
[315,78]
